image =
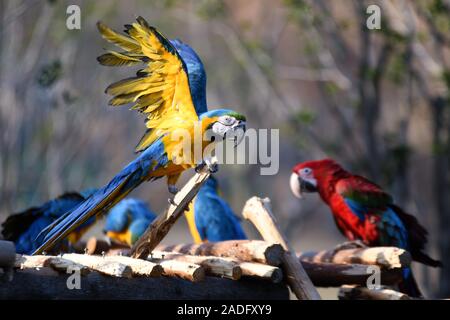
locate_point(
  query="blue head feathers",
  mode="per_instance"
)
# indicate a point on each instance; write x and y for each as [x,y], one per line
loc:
[126,211]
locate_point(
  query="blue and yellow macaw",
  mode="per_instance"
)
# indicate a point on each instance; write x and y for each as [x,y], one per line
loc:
[161,91]
[128,220]
[210,218]
[24,227]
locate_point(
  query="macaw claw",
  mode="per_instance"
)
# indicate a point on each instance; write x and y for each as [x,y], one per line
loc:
[172,201]
[172,189]
[212,167]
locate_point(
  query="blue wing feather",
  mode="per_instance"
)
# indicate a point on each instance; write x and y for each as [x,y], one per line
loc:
[391,228]
[24,227]
[196,75]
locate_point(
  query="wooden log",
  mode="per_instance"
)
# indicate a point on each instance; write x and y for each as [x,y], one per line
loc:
[55,262]
[49,284]
[244,250]
[348,292]
[138,267]
[261,271]
[119,252]
[7,254]
[164,222]
[246,269]
[259,212]
[184,270]
[214,266]
[386,257]
[28,262]
[100,264]
[336,275]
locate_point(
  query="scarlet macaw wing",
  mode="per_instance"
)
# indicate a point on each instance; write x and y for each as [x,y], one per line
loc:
[365,198]
[161,89]
[361,191]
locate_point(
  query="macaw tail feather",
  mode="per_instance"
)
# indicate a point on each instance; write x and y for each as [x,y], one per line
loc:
[409,285]
[418,238]
[422,257]
[104,198]
[99,201]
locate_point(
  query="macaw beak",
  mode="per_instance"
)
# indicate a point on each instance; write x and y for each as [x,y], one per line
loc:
[238,132]
[300,186]
[295,184]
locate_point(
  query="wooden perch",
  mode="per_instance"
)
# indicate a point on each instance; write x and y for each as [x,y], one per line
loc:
[55,262]
[138,267]
[261,271]
[184,270]
[7,254]
[100,264]
[336,275]
[226,267]
[363,293]
[244,250]
[259,212]
[214,266]
[49,284]
[386,257]
[164,222]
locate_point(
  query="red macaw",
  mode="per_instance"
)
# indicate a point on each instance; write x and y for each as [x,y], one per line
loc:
[363,211]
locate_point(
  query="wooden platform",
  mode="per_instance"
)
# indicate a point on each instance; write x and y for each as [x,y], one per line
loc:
[46,283]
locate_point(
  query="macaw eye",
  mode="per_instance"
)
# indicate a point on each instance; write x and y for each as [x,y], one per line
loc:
[226,120]
[306,171]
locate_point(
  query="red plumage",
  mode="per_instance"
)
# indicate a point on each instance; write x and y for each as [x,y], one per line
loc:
[363,211]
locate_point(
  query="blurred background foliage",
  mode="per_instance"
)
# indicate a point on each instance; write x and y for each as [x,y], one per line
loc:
[377,101]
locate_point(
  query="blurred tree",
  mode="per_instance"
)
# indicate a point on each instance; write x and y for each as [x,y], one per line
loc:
[376,100]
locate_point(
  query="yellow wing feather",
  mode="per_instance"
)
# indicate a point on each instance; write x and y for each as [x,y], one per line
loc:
[160,90]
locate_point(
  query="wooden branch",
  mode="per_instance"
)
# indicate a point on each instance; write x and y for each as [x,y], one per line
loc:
[49,284]
[138,267]
[100,264]
[259,212]
[386,257]
[184,270]
[336,275]
[261,271]
[363,293]
[244,250]
[163,223]
[7,254]
[55,262]
[214,266]
[227,267]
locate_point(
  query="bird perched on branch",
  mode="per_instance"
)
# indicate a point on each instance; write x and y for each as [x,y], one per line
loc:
[175,130]
[128,220]
[24,227]
[363,211]
[210,218]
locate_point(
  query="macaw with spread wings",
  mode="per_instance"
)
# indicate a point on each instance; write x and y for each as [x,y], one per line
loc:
[161,91]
